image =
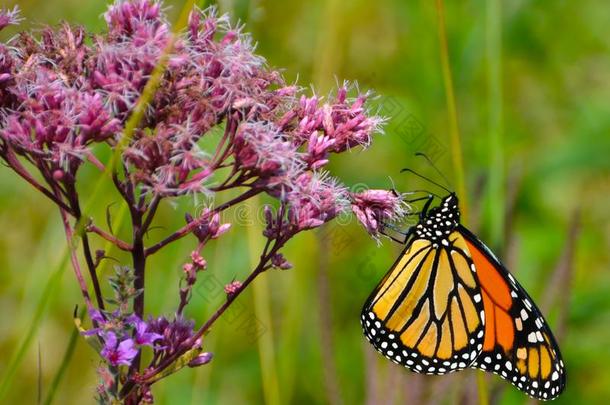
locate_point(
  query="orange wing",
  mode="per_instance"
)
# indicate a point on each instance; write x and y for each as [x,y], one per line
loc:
[426,312]
[518,344]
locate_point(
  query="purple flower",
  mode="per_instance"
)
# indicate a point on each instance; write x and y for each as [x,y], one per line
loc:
[104,324]
[173,333]
[373,207]
[143,336]
[118,354]
[96,316]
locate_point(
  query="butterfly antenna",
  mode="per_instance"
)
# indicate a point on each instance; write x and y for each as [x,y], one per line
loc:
[426,178]
[447,182]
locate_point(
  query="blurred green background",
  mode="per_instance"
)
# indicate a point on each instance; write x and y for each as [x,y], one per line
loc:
[532,88]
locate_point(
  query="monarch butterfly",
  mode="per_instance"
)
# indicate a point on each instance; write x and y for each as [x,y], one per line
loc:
[448,304]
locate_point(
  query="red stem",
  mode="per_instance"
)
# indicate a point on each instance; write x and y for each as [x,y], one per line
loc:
[187,229]
[74,259]
[188,344]
[14,164]
[74,203]
[121,244]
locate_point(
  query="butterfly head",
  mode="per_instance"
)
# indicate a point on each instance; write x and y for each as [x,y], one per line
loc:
[437,223]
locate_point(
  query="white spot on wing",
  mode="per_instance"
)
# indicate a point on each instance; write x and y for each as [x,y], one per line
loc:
[532,337]
[524,314]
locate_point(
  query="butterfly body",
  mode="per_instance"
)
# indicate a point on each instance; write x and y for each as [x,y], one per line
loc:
[448,304]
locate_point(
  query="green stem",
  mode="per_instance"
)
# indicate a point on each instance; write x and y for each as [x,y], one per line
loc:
[496,193]
[454,131]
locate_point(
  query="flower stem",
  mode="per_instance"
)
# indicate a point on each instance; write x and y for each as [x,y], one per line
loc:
[139,265]
[74,259]
[18,168]
[110,238]
[187,229]
[80,231]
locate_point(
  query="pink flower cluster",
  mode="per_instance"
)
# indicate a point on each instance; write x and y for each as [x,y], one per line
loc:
[154,98]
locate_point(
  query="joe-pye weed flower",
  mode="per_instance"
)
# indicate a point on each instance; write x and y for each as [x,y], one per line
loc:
[66,95]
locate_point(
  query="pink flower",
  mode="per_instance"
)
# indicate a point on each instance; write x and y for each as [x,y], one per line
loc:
[318,149]
[219,120]
[198,260]
[261,147]
[9,17]
[126,17]
[344,121]
[316,198]
[374,207]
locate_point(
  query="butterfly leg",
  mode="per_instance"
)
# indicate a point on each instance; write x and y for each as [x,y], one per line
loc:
[429,198]
[404,234]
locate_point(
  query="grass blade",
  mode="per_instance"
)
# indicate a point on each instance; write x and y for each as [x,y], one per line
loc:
[41,307]
[454,130]
[262,311]
[65,362]
[496,195]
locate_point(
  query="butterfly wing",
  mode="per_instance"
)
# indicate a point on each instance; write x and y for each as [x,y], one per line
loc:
[426,313]
[518,344]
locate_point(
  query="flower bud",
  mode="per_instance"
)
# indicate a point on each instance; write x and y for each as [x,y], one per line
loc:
[203,358]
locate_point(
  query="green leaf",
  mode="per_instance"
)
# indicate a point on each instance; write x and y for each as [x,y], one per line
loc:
[180,362]
[93,340]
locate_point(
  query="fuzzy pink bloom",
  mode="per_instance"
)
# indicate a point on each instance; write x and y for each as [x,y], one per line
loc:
[342,120]
[9,17]
[374,207]
[316,199]
[262,148]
